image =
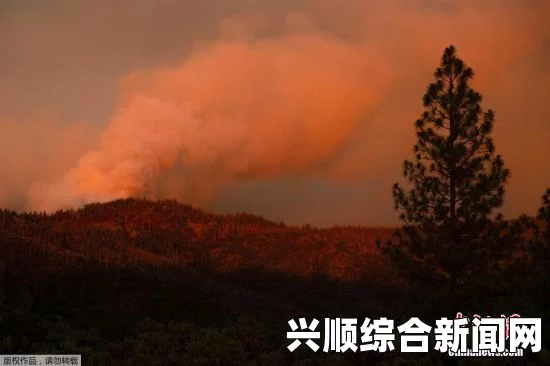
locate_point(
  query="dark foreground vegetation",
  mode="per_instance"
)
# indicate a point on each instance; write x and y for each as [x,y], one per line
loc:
[138,282]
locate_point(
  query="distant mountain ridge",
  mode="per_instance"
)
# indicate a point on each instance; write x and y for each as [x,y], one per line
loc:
[129,232]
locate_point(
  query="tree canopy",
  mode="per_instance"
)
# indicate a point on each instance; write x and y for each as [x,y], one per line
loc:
[455,182]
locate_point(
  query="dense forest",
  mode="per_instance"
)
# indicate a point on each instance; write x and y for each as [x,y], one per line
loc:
[139,282]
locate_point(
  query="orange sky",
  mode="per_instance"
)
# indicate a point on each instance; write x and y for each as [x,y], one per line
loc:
[301,111]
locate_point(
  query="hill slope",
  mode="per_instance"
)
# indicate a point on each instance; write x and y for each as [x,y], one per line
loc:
[132,232]
[161,283]
[97,280]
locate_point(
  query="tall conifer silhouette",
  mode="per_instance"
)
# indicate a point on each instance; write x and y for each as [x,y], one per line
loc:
[455,182]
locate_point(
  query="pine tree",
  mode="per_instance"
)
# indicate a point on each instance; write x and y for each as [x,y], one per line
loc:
[456,182]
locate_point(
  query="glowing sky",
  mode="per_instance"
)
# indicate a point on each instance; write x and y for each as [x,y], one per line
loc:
[300,111]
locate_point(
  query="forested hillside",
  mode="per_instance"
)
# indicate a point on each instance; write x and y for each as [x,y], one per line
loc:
[134,281]
[100,279]
[137,232]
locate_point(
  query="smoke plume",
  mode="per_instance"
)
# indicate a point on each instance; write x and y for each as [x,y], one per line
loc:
[213,96]
[232,110]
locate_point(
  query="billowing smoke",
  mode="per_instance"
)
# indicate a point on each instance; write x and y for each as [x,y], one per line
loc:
[232,110]
[277,96]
